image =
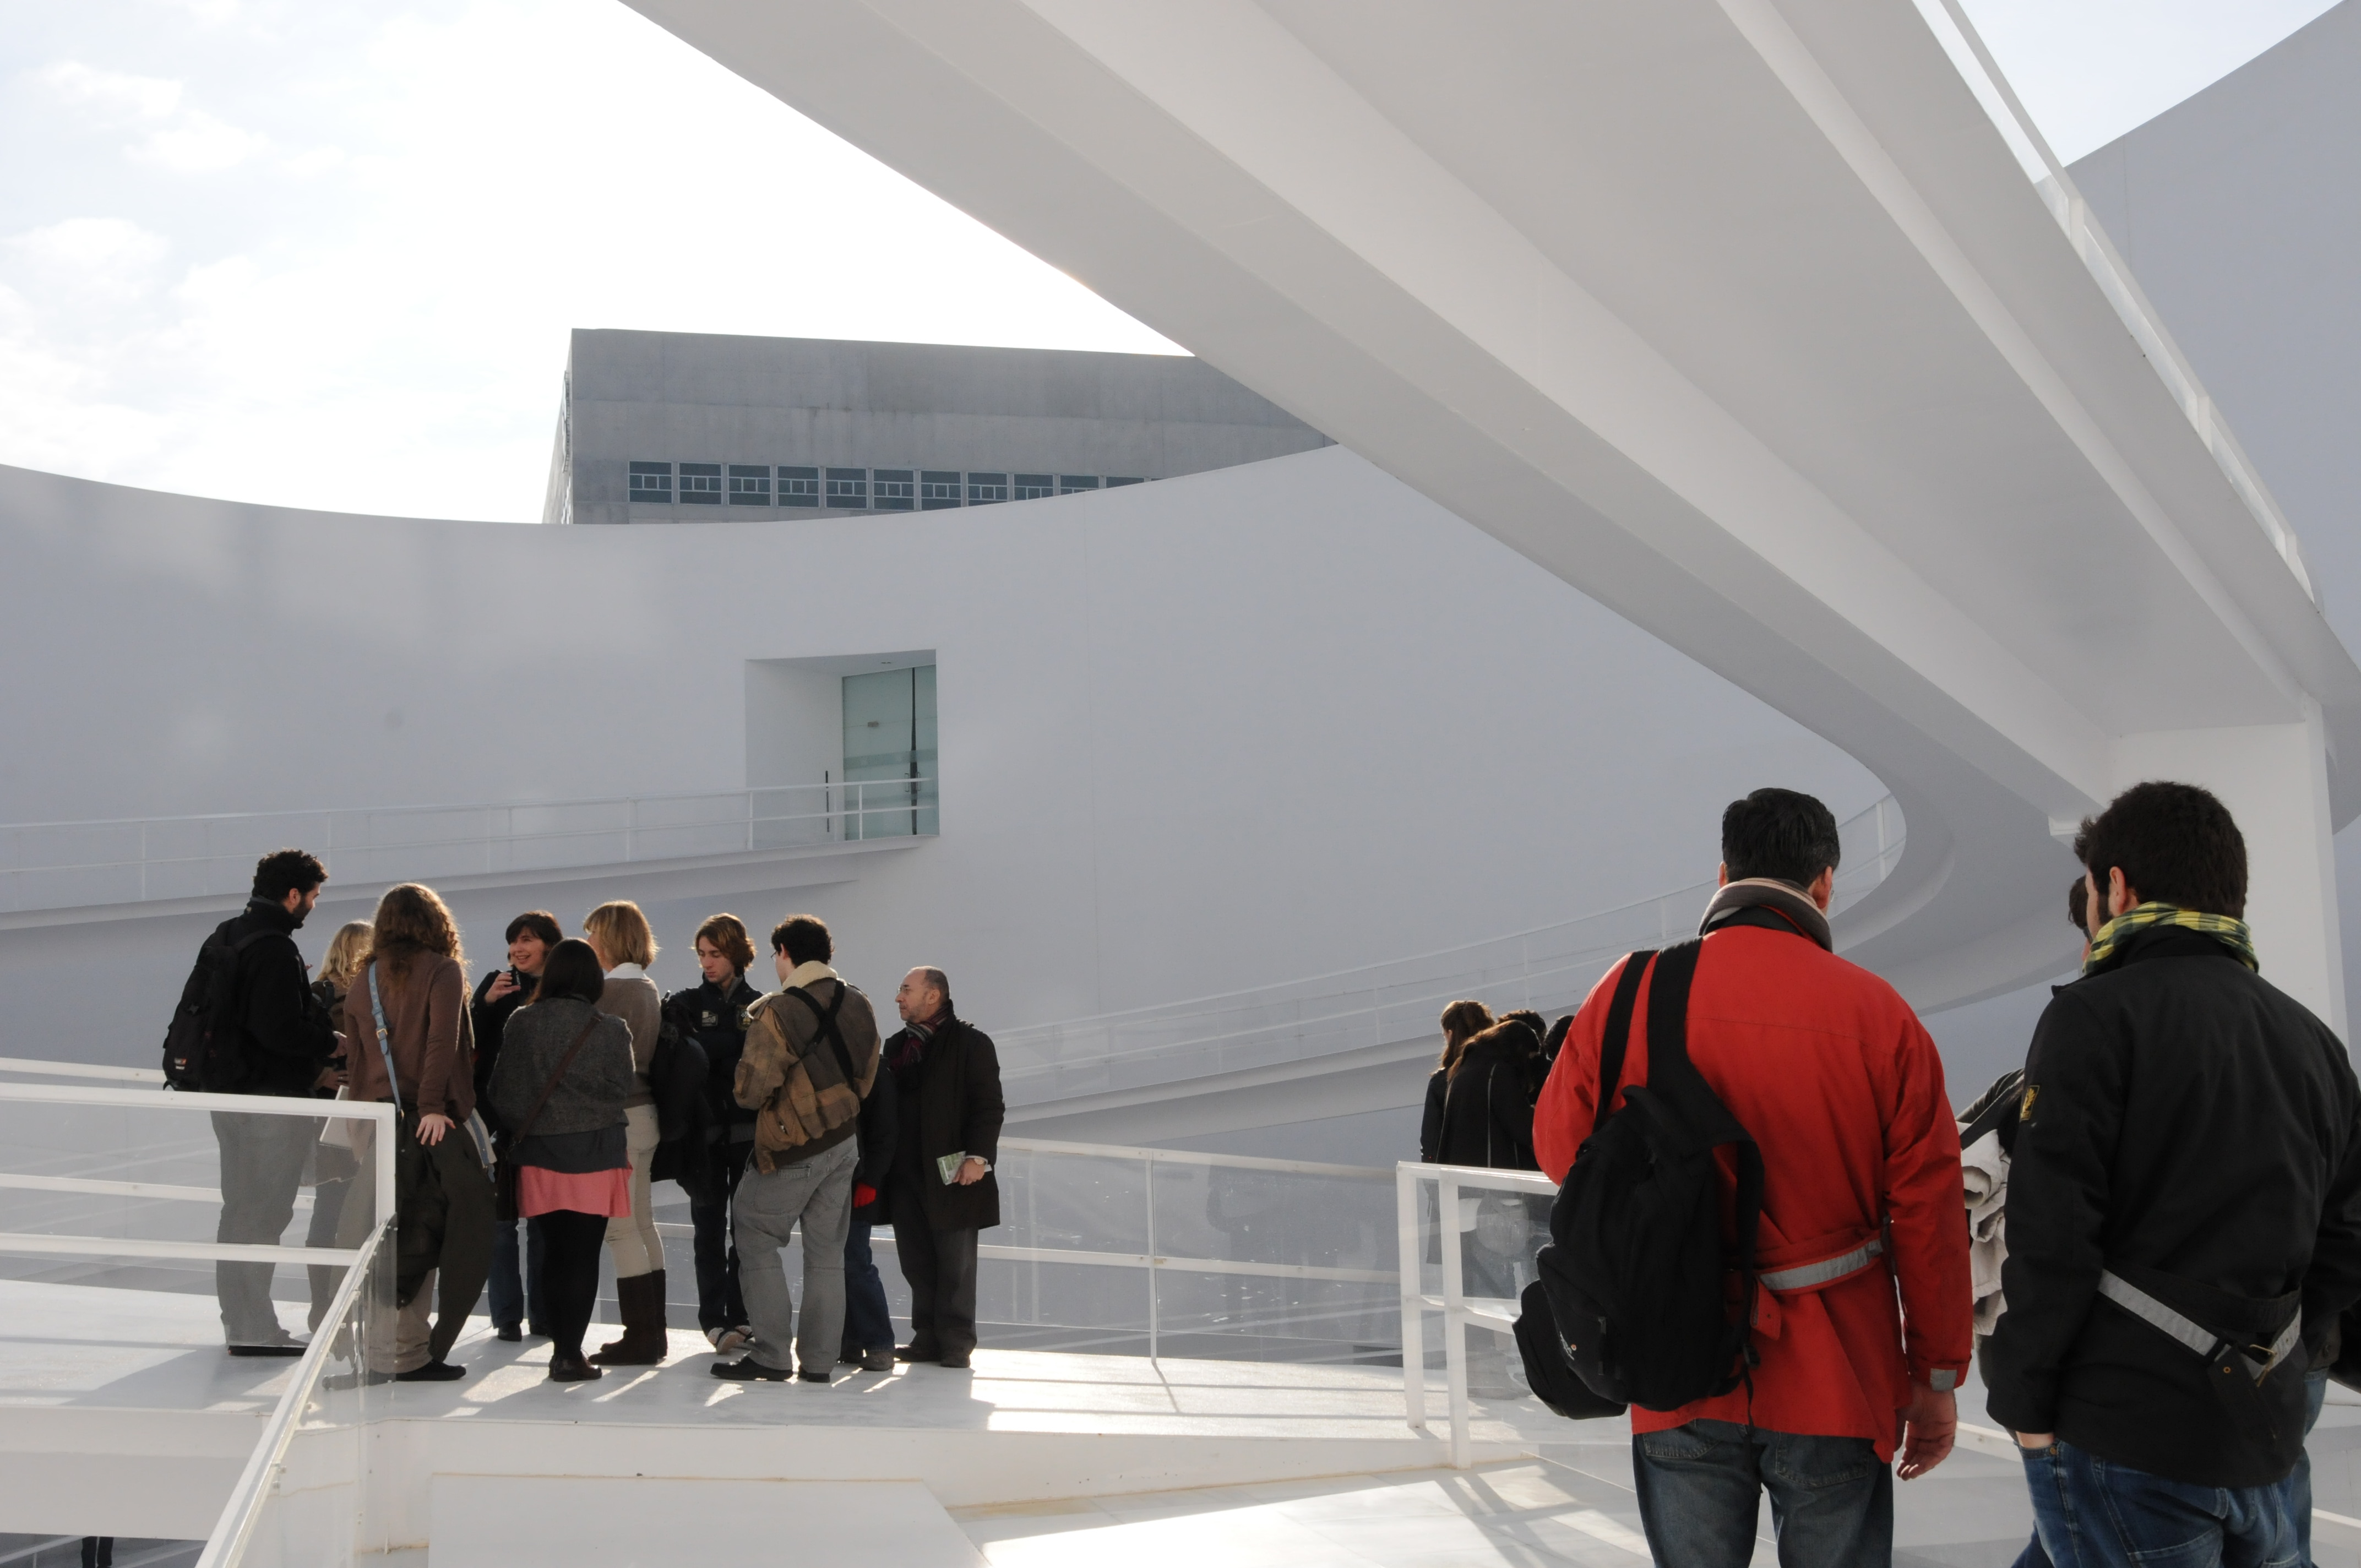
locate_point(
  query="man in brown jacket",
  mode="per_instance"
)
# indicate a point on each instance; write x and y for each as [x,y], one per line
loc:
[810,1058]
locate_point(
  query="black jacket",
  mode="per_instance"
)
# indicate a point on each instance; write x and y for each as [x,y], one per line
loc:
[881,1129]
[2186,1125]
[1430,1121]
[715,1017]
[1488,1111]
[490,1020]
[283,1036]
[957,1109]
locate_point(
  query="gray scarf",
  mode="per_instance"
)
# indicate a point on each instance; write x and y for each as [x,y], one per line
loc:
[1768,892]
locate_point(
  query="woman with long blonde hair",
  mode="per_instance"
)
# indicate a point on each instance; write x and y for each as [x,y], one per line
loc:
[332,1163]
[407,1011]
[619,933]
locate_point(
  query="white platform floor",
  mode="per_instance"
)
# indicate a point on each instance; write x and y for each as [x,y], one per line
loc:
[1172,1460]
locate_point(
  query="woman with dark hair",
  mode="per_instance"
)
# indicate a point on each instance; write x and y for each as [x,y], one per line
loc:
[1461,1022]
[560,1087]
[411,1043]
[513,1288]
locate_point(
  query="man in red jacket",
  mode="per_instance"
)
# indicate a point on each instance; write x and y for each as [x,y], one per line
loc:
[1841,1087]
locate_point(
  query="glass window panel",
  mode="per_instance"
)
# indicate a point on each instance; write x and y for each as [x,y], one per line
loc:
[894,489]
[1069,483]
[651,481]
[750,485]
[849,487]
[1032,487]
[982,488]
[799,487]
[700,484]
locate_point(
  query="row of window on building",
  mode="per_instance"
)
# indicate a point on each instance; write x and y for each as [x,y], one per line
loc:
[856,489]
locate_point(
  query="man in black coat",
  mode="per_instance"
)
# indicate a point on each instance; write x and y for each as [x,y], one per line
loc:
[714,1015]
[946,1082]
[279,1042]
[2184,1211]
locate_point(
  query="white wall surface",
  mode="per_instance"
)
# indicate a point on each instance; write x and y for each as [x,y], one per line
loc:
[1196,736]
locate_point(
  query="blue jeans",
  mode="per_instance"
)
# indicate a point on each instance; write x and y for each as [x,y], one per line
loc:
[868,1325]
[2299,1481]
[2094,1513]
[514,1296]
[1700,1486]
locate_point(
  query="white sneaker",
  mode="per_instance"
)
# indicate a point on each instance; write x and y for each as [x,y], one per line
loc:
[730,1341]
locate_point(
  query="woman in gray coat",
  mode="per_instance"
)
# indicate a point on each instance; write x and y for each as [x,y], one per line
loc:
[564,1075]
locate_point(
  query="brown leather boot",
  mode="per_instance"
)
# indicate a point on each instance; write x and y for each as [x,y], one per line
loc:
[644,1342]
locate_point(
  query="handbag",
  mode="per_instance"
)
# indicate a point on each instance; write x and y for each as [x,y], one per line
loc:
[504,1185]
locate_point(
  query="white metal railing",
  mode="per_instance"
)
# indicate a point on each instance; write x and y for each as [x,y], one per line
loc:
[1957,34]
[67,865]
[1549,969]
[47,1244]
[257,1485]
[1459,1309]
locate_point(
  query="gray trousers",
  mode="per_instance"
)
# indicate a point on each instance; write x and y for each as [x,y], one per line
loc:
[818,1193]
[261,1167]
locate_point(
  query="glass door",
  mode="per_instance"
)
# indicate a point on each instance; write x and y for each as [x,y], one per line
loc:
[889,753]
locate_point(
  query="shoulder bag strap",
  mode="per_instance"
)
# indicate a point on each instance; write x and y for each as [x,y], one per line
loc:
[551,1087]
[384,1044]
[1617,1038]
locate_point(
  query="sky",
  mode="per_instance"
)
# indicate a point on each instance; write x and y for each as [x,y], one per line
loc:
[326,254]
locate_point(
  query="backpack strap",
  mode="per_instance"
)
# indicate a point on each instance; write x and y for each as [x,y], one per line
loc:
[825,1022]
[1668,1058]
[1617,1038]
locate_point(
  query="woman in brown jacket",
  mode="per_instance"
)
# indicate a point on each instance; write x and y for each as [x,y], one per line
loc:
[410,1005]
[618,934]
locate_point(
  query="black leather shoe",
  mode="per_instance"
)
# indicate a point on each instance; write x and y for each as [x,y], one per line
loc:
[750,1371]
[285,1347]
[433,1372]
[574,1369]
[511,1333]
[812,1376]
[915,1352]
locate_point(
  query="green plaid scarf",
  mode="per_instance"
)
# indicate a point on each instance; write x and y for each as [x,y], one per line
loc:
[2231,934]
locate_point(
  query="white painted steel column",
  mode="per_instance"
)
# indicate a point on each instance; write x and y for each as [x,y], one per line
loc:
[1455,1321]
[1413,1316]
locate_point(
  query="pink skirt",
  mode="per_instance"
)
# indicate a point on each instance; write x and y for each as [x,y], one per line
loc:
[607,1192]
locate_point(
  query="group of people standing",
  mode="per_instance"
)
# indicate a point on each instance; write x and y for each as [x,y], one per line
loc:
[556,1091]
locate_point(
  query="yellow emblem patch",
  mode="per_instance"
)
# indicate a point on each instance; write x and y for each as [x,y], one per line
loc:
[2025,1106]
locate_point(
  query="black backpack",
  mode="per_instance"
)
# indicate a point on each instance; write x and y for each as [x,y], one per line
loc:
[200,1054]
[1637,1274]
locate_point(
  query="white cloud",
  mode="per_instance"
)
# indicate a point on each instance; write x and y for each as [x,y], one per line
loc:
[101,261]
[199,143]
[112,97]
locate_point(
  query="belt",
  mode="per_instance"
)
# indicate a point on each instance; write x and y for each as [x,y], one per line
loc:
[2196,1336]
[1828,1271]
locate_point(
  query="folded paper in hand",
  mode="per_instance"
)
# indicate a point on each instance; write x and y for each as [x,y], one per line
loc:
[947,1167]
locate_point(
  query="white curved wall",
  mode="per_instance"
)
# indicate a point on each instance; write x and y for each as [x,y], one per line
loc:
[1196,736]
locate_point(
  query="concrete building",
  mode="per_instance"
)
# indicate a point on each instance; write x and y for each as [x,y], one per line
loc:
[694,427]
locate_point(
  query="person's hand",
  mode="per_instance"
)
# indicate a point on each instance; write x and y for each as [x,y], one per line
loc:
[863,1195]
[971,1171]
[503,984]
[1930,1425]
[430,1128]
[2036,1439]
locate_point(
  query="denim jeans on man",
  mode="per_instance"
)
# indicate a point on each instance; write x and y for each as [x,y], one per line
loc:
[262,1160]
[2092,1513]
[816,1193]
[1701,1485]
[868,1322]
[514,1293]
